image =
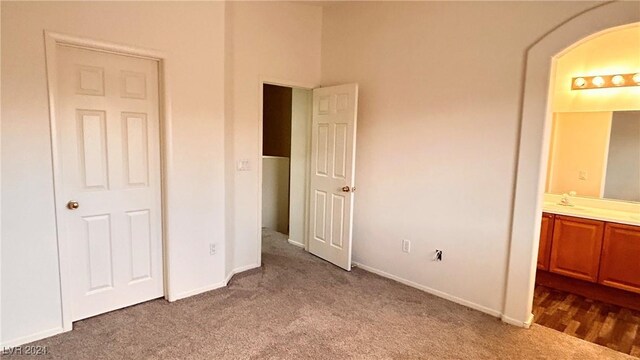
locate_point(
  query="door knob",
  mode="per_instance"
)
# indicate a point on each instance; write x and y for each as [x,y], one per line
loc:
[346,189]
[72,205]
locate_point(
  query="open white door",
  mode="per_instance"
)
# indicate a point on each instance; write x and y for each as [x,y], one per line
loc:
[333,153]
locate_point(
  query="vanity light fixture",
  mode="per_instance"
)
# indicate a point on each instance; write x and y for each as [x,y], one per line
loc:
[605,81]
[617,80]
[598,81]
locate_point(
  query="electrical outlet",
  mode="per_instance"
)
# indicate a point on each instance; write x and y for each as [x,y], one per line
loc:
[212,249]
[406,246]
[438,255]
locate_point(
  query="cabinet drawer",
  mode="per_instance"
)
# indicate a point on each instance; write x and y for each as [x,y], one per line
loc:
[576,247]
[620,262]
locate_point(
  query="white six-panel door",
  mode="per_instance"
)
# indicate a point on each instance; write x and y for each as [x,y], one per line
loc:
[109,151]
[332,185]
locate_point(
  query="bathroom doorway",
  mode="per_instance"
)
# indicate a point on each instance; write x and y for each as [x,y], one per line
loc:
[588,274]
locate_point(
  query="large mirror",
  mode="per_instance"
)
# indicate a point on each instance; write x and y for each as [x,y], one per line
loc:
[595,154]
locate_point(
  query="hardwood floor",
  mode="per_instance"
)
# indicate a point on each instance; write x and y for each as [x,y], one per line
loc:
[608,325]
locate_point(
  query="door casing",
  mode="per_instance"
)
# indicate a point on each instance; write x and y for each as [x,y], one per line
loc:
[52,41]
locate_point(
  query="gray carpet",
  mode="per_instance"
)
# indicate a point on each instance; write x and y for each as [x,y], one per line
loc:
[300,307]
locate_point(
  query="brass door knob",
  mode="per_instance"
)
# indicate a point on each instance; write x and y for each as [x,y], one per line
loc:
[346,189]
[72,205]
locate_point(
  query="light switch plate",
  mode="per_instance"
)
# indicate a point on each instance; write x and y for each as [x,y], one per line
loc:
[406,246]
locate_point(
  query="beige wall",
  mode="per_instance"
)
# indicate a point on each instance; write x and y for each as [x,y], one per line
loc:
[273,42]
[580,143]
[275,193]
[614,52]
[192,34]
[440,90]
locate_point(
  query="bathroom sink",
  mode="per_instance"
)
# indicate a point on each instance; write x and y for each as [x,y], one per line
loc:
[614,215]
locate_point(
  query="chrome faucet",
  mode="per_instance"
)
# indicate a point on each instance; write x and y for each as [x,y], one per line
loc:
[565,200]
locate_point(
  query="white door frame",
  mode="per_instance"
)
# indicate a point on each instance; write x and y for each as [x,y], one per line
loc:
[533,147]
[290,84]
[52,40]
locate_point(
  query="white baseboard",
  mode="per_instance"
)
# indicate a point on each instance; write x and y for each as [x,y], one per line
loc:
[189,293]
[221,284]
[241,269]
[33,337]
[523,324]
[295,243]
[229,276]
[435,292]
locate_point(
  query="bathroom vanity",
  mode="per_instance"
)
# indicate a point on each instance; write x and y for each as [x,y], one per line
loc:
[591,251]
[590,233]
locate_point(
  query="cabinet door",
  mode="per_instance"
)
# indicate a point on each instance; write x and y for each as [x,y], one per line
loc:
[546,234]
[620,263]
[576,247]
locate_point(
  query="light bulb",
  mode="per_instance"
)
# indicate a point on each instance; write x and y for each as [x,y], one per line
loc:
[580,82]
[598,81]
[617,80]
[636,78]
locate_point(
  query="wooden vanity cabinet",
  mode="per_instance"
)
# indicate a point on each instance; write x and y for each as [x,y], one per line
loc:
[620,262]
[546,235]
[576,247]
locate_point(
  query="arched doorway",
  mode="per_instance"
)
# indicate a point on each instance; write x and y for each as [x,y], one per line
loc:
[533,147]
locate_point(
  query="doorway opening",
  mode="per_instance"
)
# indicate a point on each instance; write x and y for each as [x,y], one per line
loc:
[308,163]
[533,134]
[588,275]
[286,143]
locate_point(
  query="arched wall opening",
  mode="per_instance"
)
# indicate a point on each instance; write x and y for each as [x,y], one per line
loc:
[534,140]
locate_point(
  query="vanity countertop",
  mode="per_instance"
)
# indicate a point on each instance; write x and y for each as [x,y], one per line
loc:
[594,213]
